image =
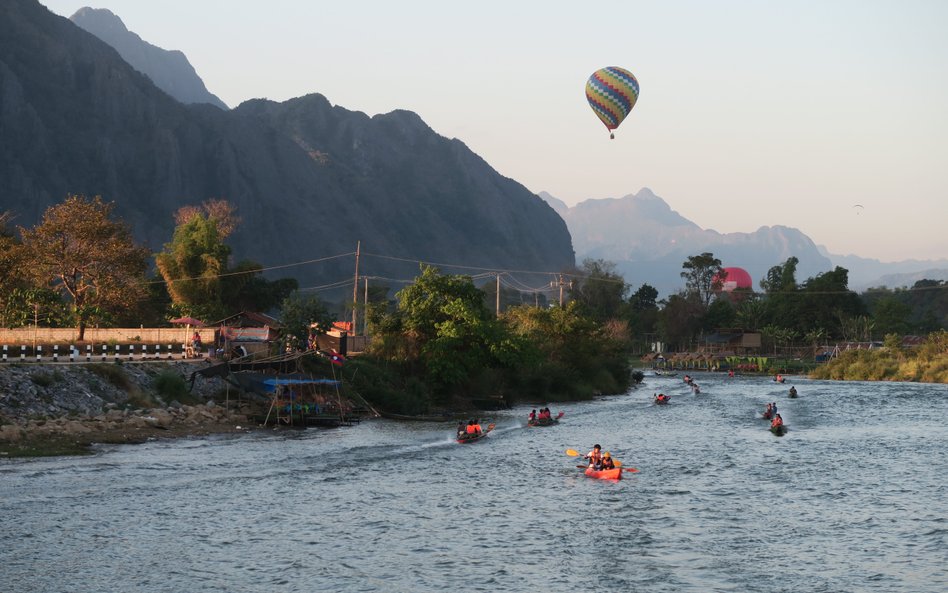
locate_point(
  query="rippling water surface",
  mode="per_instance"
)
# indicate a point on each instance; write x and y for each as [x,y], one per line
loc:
[853,498]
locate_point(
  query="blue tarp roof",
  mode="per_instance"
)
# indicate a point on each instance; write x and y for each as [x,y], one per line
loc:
[272,383]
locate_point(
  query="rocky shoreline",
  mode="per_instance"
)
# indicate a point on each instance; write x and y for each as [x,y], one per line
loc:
[60,409]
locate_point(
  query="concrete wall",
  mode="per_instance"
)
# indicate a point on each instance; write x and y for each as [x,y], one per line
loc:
[134,335]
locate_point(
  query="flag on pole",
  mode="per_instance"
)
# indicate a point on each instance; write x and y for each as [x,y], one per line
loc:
[334,357]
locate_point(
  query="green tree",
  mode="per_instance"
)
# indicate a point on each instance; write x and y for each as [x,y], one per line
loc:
[600,290]
[193,265]
[680,319]
[643,312]
[79,251]
[720,314]
[702,274]
[302,315]
[751,313]
[782,277]
[891,315]
[449,329]
[825,300]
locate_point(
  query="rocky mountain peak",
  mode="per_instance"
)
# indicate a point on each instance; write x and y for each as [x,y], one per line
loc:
[169,70]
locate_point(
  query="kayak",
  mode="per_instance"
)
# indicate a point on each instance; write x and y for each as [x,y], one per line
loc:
[545,421]
[473,438]
[605,474]
[779,430]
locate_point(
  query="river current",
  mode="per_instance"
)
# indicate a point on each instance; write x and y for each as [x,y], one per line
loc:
[853,498]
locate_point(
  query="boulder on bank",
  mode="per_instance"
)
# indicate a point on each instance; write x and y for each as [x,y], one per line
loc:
[107,402]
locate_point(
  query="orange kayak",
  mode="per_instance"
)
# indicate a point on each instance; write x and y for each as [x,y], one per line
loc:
[605,474]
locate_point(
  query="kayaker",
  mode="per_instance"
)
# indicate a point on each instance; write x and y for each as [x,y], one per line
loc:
[533,415]
[595,456]
[777,422]
[769,412]
[607,462]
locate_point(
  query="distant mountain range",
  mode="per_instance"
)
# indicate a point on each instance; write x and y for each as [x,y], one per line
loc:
[308,179]
[169,70]
[648,242]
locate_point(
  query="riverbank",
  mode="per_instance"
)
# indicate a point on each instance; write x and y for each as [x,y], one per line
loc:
[63,409]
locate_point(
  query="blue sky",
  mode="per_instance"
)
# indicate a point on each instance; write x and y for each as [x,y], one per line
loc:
[750,113]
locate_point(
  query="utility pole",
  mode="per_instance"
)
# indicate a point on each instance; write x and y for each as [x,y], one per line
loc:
[35,324]
[498,295]
[559,282]
[365,312]
[355,289]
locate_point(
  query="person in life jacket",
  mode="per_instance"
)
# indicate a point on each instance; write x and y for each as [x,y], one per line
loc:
[769,411]
[730,373]
[773,408]
[533,416]
[470,430]
[595,456]
[661,398]
[477,427]
[793,391]
[607,462]
[777,422]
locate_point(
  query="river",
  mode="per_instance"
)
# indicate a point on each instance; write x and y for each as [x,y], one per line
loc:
[853,498]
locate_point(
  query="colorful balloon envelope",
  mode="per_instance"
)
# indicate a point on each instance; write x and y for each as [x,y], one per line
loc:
[612,93]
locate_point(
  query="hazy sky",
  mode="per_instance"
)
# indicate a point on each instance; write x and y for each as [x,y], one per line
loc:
[751,113]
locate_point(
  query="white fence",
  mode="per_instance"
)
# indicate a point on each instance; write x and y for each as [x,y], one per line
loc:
[90,353]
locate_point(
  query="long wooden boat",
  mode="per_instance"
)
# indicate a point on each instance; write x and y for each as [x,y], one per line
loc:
[473,438]
[604,474]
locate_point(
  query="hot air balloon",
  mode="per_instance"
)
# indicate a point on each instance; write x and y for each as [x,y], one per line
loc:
[735,278]
[612,93]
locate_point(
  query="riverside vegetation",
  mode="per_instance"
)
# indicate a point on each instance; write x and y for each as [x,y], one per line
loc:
[928,363]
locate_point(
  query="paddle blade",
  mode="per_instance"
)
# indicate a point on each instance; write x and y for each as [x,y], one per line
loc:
[572,452]
[560,415]
[618,463]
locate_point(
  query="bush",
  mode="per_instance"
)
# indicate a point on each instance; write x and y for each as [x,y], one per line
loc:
[44,379]
[113,373]
[171,386]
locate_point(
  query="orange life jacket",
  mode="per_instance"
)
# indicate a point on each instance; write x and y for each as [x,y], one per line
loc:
[469,429]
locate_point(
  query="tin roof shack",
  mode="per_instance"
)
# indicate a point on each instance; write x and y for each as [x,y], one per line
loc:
[247,334]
